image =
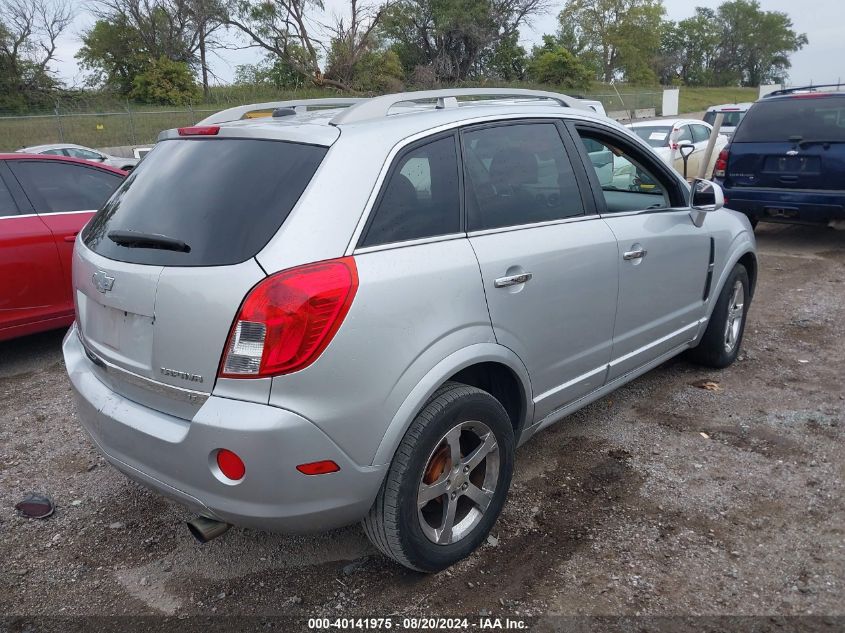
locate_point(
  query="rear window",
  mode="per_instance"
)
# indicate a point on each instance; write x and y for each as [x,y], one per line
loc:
[797,118]
[731,119]
[657,136]
[222,199]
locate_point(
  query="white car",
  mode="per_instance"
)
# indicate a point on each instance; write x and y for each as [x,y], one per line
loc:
[734,113]
[668,137]
[80,151]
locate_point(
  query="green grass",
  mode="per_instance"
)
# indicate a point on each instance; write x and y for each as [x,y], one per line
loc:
[100,121]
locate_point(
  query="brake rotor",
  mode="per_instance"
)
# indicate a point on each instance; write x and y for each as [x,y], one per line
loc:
[437,465]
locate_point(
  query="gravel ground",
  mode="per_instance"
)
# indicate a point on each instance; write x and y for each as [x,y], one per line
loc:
[662,499]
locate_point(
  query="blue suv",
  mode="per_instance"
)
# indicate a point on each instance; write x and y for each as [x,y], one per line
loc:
[786,161]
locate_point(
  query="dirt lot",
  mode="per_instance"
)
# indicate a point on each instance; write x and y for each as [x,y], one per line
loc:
[664,498]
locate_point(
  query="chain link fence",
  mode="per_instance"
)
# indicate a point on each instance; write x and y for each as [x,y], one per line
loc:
[114,127]
[102,126]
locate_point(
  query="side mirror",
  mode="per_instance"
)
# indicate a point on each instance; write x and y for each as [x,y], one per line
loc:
[705,197]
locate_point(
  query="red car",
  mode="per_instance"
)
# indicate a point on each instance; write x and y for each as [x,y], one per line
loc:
[44,202]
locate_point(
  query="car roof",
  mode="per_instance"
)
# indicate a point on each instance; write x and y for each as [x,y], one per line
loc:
[731,106]
[39,148]
[405,118]
[666,123]
[63,159]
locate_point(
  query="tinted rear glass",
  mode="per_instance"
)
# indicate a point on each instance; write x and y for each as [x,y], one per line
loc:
[779,120]
[224,198]
[732,118]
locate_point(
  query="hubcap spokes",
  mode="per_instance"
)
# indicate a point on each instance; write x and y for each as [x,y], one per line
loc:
[736,312]
[454,494]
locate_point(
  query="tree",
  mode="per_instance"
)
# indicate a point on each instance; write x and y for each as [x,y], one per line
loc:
[29,30]
[622,35]
[553,64]
[272,71]
[283,28]
[505,61]
[755,45]
[165,82]
[453,36]
[114,52]
[181,30]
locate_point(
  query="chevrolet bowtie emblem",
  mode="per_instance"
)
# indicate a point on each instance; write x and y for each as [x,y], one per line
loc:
[102,281]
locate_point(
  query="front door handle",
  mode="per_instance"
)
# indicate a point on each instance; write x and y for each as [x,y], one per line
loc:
[637,254]
[512,280]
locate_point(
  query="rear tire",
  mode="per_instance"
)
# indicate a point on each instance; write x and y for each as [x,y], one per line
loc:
[456,460]
[722,339]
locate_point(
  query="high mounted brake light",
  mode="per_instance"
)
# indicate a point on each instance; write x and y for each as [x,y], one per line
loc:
[288,319]
[200,130]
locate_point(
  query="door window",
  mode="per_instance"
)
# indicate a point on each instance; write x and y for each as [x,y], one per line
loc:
[635,185]
[700,133]
[83,153]
[683,134]
[7,203]
[55,152]
[421,196]
[518,174]
[56,187]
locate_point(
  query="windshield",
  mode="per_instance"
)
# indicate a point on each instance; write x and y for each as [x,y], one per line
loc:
[656,136]
[220,200]
[732,118]
[794,119]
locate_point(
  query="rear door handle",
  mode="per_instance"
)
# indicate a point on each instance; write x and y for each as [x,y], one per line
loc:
[637,254]
[512,280]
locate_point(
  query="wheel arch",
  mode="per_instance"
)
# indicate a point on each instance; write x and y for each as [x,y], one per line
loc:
[481,365]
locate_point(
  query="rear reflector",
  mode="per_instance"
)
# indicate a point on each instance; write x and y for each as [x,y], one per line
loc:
[230,464]
[201,130]
[318,468]
[287,320]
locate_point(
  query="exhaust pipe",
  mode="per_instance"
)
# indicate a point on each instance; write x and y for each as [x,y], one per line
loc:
[205,529]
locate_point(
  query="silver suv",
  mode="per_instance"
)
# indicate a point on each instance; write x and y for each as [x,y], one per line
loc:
[357,310]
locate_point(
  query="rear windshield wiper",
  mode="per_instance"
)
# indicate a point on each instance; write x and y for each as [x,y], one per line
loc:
[136,239]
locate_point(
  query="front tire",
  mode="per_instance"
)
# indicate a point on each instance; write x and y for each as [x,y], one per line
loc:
[722,339]
[447,483]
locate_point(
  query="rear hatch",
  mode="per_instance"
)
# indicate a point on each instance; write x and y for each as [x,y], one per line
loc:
[162,269]
[795,142]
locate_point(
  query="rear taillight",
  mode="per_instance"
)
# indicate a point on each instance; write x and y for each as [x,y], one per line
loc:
[287,320]
[721,167]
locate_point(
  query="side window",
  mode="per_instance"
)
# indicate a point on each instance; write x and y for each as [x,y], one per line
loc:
[7,203]
[83,153]
[631,184]
[421,196]
[518,174]
[683,134]
[700,133]
[55,187]
[55,152]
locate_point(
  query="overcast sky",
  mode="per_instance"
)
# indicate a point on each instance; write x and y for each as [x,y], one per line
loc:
[822,61]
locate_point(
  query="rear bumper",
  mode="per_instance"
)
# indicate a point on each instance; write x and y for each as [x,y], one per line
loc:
[780,205]
[175,456]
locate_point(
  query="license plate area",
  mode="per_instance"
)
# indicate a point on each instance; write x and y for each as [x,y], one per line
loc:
[118,335]
[792,165]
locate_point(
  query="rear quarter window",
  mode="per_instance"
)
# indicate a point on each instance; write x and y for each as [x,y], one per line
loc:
[782,120]
[224,198]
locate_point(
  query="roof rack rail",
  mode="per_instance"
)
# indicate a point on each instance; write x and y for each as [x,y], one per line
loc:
[378,107]
[789,91]
[300,105]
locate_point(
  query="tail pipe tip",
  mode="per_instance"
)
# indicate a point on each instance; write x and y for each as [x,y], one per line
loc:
[205,529]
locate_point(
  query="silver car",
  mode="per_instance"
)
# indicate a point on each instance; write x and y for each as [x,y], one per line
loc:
[357,310]
[85,153]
